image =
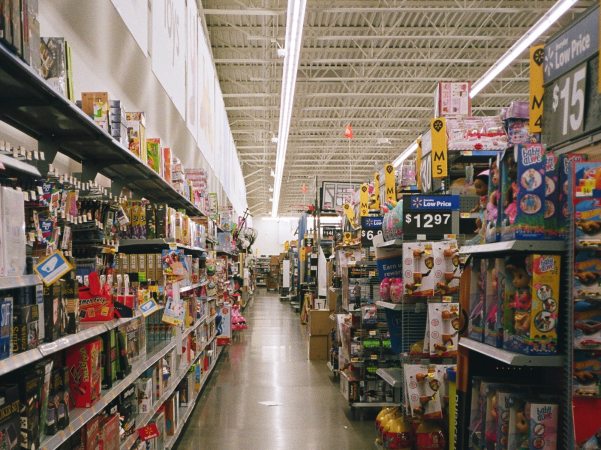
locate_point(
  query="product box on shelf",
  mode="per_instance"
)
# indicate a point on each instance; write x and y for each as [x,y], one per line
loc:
[419,277]
[543,425]
[587,274]
[109,432]
[54,65]
[587,374]
[535,304]
[70,296]
[493,203]
[153,154]
[586,182]
[85,372]
[6,327]
[446,267]
[423,391]
[12,232]
[96,105]
[496,278]
[90,434]
[552,211]
[9,416]
[52,312]
[524,213]
[587,325]
[136,130]
[475,326]
[31,34]
[144,392]
[29,387]
[565,173]
[25,335]
[443,329]
[476,133]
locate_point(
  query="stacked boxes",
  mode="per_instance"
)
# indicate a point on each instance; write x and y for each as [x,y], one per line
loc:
[136,132]
[319,327]
[96,105]
[118,122]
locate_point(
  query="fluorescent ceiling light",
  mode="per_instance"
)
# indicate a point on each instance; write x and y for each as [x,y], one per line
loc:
[272,173]
[548,19]
[270,189]
[406,153]
[271,199]
[295,17]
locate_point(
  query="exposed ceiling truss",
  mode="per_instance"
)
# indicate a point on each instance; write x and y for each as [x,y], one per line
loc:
[374,64]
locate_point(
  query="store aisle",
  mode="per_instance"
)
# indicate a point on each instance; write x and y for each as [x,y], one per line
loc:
[268,363]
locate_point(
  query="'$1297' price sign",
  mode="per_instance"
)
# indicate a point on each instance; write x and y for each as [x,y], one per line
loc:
[429,215]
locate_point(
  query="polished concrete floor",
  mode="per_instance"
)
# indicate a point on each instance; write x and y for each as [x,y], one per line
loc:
[268,363]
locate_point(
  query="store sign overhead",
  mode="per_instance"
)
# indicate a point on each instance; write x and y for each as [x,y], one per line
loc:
[577,44]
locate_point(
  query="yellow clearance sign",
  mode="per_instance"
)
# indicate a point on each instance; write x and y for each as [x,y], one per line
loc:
[390,183]
[350,214]
[537,56]
[439,147]
[364,200]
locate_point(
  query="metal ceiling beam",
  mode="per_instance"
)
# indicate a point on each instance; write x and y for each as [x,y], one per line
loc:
[337,95]
[244,12]
[345,108]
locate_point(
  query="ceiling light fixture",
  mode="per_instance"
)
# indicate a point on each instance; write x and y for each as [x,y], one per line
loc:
[543,24]
[295,17]
[270,188]
[406,153]
[274,139]
[272,173]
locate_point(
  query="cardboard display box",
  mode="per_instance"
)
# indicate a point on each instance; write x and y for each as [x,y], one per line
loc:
[318,348]
[319,322]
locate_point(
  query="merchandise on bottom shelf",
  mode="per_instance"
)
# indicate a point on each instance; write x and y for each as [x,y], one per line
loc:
[512,417]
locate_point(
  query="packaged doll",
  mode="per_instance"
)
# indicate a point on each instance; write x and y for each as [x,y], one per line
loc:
[481,187]
[521,279]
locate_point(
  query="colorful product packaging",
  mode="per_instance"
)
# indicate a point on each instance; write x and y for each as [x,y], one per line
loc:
[136,130]
[444,325]
[154,154]
[85,373]
[475,327]
[542,433]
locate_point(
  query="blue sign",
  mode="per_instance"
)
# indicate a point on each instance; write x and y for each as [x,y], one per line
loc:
[372,223]
[390,267]
[431,202]
[575,45]
[53,268]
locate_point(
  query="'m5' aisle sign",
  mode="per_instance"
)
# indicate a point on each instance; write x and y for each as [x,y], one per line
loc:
[428,215]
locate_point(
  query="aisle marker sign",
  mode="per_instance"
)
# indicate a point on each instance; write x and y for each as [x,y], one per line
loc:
[439,147]
[350,214]
[52,268]
[537,56]
[390,183]
[363,200]
[376,190]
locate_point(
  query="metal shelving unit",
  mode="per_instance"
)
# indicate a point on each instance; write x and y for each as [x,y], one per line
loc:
[393,376]
[514,246]
[19,281]
[511,358]
[133,245]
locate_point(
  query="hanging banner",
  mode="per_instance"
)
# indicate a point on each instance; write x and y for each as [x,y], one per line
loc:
[418,164]
[168,51]
[390,183]
[135,16]
[364,200]
[537,56]
[376,193]
[439,147]
[350,214]
[192,82]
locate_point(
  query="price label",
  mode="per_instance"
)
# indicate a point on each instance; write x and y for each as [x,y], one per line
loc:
[370,228]
[429,216]
[367,237]
[568,101]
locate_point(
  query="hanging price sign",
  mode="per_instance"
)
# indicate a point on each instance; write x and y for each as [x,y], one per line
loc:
[429,215]
[370,228]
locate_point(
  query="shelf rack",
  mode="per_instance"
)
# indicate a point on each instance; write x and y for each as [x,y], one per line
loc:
[33,107]
[134,245]
[410,307]
[170,443]
[396,243]
[19,281]
[514,246]
[511,358]
[19,166]
[393,376]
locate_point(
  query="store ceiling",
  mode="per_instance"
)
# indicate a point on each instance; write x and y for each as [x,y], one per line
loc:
[374,64]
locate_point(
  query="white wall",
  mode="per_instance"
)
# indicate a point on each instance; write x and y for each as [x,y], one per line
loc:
[272,233]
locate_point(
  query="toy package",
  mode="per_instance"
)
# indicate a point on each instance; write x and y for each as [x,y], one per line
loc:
[535,304]
[85,373]
[444,325]
[565,173]
[476,133]
[489,393]
[503,406]
[586,182]
[446,267]
[543,418]
[587,374]
[6,326]
[587,274]
[587,325]
[9,416]
[475,327]
[495,290]
[154,154]
[524,215]
[552,188]
[419,276]
[174,263]
[493,202]
[476,425]
[136,130]
[517,433]
[423,390]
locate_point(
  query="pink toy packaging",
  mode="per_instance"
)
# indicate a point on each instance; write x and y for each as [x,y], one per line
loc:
[542,432]
[495,293]
[552,211]
[493,203]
